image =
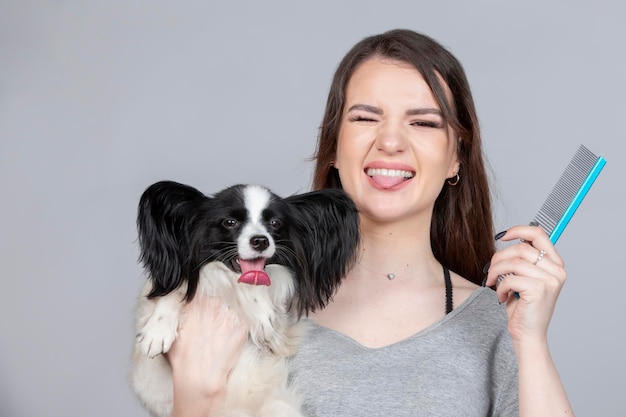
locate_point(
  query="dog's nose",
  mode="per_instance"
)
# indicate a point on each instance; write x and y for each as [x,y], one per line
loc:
[259,242]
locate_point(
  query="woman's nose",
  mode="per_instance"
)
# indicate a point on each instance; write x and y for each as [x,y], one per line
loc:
[391,139]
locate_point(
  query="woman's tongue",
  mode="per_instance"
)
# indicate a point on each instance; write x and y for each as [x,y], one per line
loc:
[387,181]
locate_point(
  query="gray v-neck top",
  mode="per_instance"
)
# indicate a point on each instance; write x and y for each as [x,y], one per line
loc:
[463,365]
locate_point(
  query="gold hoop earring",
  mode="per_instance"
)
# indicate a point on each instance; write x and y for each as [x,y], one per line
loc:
[454,180]
[332,163]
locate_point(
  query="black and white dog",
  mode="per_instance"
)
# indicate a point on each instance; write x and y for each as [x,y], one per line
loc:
[269,259]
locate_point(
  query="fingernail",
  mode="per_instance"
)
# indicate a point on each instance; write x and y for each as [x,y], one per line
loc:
[486,267]
[484,282]
[499,235]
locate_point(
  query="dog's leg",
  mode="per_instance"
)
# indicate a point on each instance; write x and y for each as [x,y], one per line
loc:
[266,309]
[152,382]
[157,322]
[160,329]
[280,401]
[287,407]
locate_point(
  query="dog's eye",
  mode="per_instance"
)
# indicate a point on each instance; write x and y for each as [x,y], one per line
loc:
[230,223]
[276,224]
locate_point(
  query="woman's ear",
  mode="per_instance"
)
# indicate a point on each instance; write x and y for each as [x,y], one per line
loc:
[455,169]
[455,166]
[333,162]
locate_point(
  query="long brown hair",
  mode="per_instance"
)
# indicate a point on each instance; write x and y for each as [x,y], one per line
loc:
[462,226]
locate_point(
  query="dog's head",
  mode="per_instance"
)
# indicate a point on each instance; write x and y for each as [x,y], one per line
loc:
[246,227]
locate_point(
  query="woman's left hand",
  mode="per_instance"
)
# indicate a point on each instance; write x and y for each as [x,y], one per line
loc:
[530,275]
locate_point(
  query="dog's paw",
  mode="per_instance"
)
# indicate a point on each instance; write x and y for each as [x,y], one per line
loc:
[157,336]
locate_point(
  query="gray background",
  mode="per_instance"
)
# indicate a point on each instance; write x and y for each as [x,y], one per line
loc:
[98,99]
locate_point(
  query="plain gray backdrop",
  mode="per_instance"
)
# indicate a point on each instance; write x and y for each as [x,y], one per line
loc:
[98,99]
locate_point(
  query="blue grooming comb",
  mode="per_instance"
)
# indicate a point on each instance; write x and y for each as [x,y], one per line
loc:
[569,192]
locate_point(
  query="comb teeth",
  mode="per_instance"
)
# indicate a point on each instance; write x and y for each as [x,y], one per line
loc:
[569,192]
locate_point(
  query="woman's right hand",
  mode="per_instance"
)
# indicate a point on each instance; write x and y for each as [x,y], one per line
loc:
[206,349]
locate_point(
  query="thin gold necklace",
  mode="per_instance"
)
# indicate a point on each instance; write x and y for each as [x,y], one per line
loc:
[446,276]
[389,275]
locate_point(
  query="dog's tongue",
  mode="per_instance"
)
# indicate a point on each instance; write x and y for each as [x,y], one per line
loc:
[386,181]
[252,272]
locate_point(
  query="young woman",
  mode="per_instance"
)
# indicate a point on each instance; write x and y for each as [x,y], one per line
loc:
[411,330]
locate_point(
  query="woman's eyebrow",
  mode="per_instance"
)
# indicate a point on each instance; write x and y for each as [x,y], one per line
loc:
[424,110]
[410,112]
[367,108]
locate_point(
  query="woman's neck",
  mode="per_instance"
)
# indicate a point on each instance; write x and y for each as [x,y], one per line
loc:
[395,251]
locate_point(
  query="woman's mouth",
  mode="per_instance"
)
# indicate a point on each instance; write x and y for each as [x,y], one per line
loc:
[388,178]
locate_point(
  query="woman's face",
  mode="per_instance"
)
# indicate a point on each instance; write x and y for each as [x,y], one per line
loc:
[394,150]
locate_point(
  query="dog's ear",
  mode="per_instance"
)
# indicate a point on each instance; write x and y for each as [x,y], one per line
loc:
[166,217]
[325,235]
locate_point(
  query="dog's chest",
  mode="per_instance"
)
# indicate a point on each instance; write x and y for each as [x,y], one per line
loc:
[263,308]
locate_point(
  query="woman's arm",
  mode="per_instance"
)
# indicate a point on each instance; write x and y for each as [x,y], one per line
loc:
[541,392]
[204,353]
[532,277]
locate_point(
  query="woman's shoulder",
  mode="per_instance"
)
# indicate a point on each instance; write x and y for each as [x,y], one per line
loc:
[481,308]
[475,303]
[481,298]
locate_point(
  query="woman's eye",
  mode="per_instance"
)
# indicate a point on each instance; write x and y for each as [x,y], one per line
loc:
[426,123]
[230,223]
[361,119]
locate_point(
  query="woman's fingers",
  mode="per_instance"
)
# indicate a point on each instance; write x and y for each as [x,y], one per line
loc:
[536,237]
[208,343]
[531,257]
[528,276]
